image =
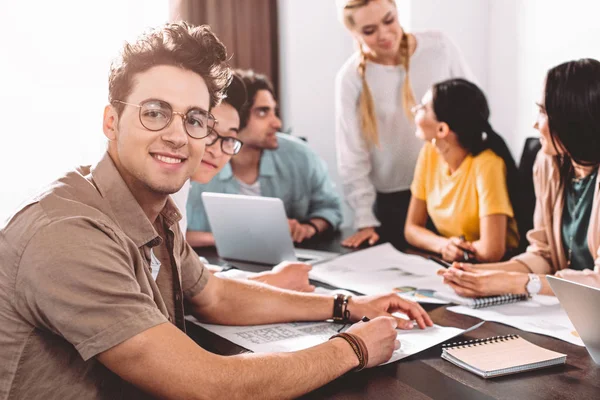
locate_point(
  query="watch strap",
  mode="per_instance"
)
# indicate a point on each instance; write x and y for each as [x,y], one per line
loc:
[341,313]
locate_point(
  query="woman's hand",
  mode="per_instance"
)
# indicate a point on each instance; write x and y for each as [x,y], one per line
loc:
[468,281]
[364,234]
[457,249]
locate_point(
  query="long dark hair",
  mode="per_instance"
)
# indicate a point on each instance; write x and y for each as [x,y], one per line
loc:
[572,102]
[463,106]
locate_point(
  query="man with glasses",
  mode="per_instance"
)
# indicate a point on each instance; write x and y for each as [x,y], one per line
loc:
[222,144]
[94,271]
[271,164]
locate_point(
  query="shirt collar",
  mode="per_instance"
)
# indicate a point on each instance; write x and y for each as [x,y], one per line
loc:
[267,163]
[226,173]
[266,167]
[127,212]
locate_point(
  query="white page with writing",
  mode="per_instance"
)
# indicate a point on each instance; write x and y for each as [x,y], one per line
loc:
[541,314]
[302,335]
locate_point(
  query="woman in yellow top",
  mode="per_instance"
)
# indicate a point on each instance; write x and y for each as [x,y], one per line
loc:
[463,180]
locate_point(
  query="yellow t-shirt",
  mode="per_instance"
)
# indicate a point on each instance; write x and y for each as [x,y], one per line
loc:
[456,202]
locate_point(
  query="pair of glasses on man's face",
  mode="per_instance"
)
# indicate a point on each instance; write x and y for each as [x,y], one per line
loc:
[229,144]
[156,115]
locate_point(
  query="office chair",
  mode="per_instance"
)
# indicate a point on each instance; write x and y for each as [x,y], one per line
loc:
[527,195]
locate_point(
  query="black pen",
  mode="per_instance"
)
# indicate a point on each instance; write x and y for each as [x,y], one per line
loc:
[443,263]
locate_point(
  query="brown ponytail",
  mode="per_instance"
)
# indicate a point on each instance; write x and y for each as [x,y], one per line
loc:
[368,119]
[408,97]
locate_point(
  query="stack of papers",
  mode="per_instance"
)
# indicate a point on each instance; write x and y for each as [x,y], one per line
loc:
[382,269]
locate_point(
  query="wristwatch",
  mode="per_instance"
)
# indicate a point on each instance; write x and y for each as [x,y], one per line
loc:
[341,314]
[534,285]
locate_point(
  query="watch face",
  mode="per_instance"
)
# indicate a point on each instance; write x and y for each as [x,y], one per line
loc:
[534,285]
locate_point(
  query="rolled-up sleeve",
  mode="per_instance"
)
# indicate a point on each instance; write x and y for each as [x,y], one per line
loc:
[194,275]
[77,280]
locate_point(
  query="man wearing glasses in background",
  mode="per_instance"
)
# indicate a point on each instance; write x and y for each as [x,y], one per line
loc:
[85,313]
[222,143]
[270,164]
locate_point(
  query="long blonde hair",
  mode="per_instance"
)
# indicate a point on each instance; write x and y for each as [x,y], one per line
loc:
[368,118]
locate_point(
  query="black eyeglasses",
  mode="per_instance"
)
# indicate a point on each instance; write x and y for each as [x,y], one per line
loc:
[156,115]
[229,144]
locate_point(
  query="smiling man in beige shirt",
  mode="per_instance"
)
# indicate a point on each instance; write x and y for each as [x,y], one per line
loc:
[94,271]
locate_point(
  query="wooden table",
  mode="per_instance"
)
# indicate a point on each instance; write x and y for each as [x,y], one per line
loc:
[425,375]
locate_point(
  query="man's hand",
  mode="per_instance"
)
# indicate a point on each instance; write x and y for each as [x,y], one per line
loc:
[384,306]
[300,232]
[456,248]
[585,277]
[364,234]
[286,275]
[379,336]
[468,281]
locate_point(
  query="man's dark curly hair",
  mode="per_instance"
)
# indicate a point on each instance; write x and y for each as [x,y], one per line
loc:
[194,48]
[253,82]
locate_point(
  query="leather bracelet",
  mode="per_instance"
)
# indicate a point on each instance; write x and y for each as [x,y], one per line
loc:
[358,346]
[341,314]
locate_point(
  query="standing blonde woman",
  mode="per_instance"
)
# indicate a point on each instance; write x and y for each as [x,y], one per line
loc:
[375,91]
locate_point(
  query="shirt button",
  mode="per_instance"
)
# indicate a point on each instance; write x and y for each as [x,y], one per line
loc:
[177,297]
[170,319]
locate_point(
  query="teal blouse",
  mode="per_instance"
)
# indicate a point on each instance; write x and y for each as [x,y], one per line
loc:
[577,209]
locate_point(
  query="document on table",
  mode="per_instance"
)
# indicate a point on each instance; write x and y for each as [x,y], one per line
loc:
[302,335]
[382,269]
[541,314]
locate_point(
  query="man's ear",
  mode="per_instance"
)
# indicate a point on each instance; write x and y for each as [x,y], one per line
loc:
[110,122]
[443,130]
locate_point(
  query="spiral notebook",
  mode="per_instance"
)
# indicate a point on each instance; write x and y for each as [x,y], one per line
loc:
[500,355]
[481,302]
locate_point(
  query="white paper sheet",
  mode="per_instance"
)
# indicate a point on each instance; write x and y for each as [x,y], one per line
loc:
[302,335]
[541,314]
[382,269]
[382,257]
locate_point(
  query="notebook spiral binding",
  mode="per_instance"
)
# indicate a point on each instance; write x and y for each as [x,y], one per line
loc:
[483,302]
[479,342]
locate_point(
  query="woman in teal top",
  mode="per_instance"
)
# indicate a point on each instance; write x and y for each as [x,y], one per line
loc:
[579,198]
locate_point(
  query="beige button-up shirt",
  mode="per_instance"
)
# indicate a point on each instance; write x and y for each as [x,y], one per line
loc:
[75,280]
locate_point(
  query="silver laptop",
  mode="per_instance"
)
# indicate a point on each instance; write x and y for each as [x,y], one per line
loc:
[255,229]
[581,303]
